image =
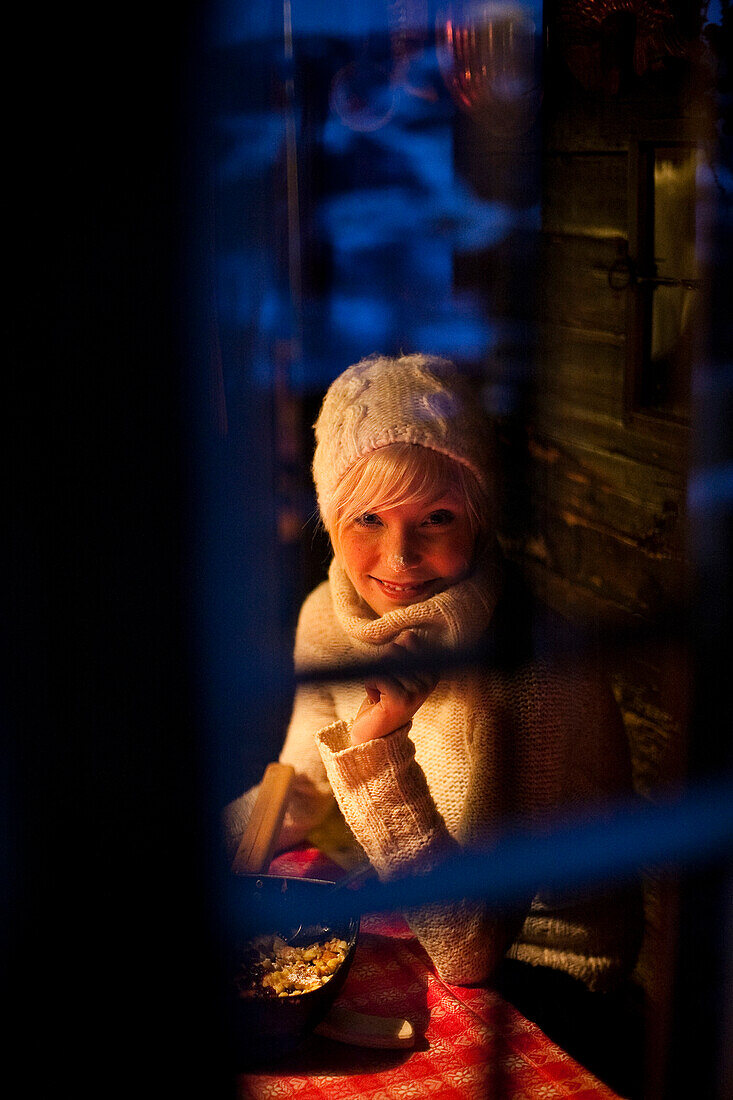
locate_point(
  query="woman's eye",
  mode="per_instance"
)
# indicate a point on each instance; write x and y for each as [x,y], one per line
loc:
[439,518]
[368,519]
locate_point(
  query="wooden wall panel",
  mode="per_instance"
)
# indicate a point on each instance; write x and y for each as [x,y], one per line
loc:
[595,498]
[585,195]
[582,367]
[605,497]
[633,498]
[574,290]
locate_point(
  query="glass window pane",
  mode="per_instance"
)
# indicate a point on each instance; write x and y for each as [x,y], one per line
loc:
[673,302]
[675,173]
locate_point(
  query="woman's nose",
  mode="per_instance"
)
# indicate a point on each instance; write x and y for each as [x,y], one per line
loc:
[402,552]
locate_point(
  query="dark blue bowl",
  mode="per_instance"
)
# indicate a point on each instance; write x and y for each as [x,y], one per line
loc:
[264,1028]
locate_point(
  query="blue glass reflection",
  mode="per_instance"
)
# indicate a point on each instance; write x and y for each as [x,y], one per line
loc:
[255,143]
[343,207]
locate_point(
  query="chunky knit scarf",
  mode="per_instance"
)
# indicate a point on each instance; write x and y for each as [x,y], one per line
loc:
[454,619]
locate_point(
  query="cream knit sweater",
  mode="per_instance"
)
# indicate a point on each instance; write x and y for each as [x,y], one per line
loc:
[483,745]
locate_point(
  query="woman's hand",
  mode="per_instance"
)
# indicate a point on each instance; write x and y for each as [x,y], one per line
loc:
[392,700]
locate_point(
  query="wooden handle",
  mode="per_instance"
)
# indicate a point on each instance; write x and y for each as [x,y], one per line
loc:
[358,1029]
[258,841]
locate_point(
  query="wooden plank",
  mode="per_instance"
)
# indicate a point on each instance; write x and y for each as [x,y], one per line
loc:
[635,503]
[654,681]
[655,966]
[655,755]
[650,678]
[587,124]
[575,365]
[552,330]
[574,602]
[616,571]
[574,289]
[629,497]
[653,532]
[614,568]
[645,486]
[258,841]
[586,194]
[577,121]
[577,426]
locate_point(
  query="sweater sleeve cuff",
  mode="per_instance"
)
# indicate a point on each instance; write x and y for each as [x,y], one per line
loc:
[336,739]
[384,798]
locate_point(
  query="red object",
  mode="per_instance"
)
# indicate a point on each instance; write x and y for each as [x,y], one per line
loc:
[470,1042]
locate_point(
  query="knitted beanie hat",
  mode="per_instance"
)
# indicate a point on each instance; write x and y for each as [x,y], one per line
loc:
[418,399]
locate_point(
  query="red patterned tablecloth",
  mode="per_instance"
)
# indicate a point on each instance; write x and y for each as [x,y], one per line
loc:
[471,1044]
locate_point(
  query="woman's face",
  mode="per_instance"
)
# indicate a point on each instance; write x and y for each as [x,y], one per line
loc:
[405,554]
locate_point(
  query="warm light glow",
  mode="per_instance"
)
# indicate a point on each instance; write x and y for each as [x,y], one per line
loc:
[487,55]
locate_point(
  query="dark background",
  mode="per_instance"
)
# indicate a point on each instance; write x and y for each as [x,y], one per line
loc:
[109,960]
[110,792]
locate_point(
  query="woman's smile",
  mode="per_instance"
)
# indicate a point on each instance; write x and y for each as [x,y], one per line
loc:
[400,590]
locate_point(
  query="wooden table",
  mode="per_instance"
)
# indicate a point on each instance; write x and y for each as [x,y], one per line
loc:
[470,1045]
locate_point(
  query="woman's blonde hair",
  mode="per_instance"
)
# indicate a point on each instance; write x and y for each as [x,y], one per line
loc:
[399,474]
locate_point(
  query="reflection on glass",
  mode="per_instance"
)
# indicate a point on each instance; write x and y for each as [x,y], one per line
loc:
[362,94]
[675,293]
[487,56]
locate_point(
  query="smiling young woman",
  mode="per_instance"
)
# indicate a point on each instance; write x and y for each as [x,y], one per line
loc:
[419,764]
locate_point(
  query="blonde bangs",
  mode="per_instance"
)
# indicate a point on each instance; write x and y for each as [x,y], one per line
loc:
[400,474]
